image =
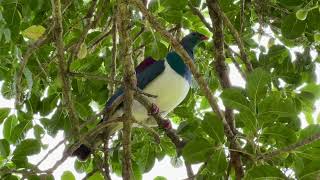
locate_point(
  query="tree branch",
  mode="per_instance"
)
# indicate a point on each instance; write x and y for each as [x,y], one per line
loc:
[130,81]
[223,74]
[196,12]
[176,140]
[309,140]
[58,36]
[190,173]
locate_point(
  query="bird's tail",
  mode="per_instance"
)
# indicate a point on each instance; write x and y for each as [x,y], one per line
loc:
[83,152]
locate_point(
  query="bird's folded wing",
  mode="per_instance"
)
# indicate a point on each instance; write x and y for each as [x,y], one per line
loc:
[146,72]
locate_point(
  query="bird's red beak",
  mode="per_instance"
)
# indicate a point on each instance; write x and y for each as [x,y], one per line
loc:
[204,38]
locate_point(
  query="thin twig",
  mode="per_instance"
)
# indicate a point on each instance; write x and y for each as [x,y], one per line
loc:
[190,173]
[309,140]
[24,60]
[51,151]
[106,164]
[197,12]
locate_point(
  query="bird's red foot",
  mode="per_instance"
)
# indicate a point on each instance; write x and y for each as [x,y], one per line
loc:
[154,109]
[167,124]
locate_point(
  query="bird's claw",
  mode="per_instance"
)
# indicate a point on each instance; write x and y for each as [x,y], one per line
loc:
[167,124]
[154,109]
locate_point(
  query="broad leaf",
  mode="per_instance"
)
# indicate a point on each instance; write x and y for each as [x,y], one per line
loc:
[291,27]
[264,172]
[27,147]
[4,112]
[67,175]
[257,85]
[197,150]
[4,148]
[8,126]
[213,126]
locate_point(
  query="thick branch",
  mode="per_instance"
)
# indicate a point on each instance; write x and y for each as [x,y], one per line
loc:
[58,35]
[223,74]
[130,81]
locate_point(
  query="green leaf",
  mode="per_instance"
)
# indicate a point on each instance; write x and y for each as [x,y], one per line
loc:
[235,98]
[20,161]
[8,126]
[218,162]
[160,178]
[96,176]
[249,121]
[67,175]
[38,131]
[12,15]
[213,126]
[28,74]
[309,131]
[156,50]
[257,85]
[312,88]
[27,147]
[313,20]
[146,159]
[291,27]
[290,3]
[10,177]
[20,131]
[34,32]
[302,14]
[83,166]
[282,135]
[4,148]
[4,112]
[264,172]
[197,150]
[310,171]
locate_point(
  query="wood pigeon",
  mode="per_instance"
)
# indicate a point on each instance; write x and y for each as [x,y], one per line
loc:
[168,79]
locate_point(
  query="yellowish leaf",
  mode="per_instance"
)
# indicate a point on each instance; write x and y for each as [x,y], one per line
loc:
[82,53]
[34,32]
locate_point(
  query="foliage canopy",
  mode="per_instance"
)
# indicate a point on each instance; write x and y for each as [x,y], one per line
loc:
[281,86]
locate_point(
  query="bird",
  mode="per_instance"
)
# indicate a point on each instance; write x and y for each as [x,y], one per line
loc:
[168,79]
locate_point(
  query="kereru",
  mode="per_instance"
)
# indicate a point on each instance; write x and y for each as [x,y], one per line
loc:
[168,79]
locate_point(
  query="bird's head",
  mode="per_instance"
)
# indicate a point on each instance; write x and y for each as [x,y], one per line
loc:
[192,40]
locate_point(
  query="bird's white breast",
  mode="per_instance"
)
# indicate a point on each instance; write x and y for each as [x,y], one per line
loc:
[170,89]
